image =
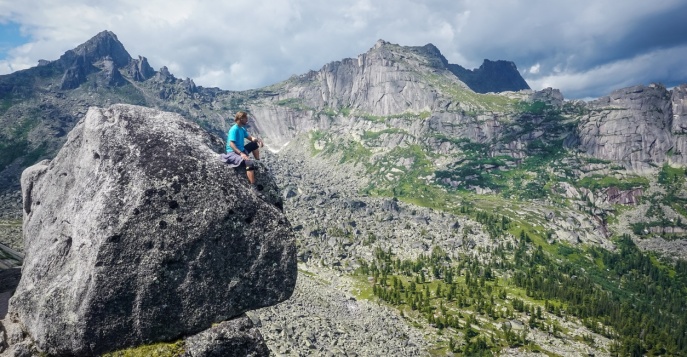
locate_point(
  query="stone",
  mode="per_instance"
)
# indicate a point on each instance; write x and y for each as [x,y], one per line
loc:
[136,232]
[237,337]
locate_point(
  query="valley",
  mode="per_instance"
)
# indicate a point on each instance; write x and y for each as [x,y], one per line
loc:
[431,218]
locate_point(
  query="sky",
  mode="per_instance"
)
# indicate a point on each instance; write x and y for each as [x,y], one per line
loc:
[584,48]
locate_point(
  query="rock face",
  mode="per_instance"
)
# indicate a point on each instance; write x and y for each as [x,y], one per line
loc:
[140,70]
[136,232]
[678,101]
[491,76]
[634,127]
[388,82]
[391,79]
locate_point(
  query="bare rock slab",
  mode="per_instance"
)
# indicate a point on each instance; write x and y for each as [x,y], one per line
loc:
[136,232]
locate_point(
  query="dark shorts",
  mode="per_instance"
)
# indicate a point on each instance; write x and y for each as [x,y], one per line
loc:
[250,147]
[235,160]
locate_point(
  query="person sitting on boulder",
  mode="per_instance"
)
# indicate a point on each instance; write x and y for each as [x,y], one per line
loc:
[237,151]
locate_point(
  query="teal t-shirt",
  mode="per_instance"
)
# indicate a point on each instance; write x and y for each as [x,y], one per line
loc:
[238,135]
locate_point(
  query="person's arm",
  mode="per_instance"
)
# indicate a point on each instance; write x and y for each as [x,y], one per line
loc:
[254,139]
[236,150]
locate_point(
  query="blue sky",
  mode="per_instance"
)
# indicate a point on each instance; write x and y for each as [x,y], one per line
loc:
[10,37]
[585,48]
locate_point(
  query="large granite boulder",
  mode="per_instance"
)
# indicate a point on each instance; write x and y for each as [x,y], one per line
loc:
[136,232]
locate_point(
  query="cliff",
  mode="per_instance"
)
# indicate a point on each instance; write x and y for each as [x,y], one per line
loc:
[637,127]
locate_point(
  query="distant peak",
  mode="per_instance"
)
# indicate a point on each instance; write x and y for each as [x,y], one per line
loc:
[380,43]
[106,34]
[102,45]
[101,37]
[498,64]
[431,47]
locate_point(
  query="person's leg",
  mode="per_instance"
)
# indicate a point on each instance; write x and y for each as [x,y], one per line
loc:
[250,169]
[253,147]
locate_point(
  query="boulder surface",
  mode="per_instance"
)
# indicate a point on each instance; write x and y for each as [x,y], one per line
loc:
[136,232]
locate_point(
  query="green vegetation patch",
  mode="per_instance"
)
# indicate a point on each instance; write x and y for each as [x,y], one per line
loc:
[373,135]
[5,103]
[409,181]
[316,136]
[14,142]
[671,178]
[162,349]
[598,182]
[294,103]
[407,115]
[479,103]
[354,152]
[537,108]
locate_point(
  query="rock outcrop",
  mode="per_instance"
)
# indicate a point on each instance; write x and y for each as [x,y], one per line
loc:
[140,70]
[632,127]
[136,232]
[491,76]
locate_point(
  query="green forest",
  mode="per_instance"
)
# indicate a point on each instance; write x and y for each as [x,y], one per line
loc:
[625,295]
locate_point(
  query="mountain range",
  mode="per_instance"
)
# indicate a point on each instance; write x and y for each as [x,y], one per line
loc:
[400,166]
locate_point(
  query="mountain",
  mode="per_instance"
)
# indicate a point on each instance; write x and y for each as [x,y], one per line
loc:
[525,222]
[41,104]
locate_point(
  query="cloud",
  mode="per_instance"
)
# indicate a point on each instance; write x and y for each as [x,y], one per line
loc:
[661,66]
[246,44]
[534,69]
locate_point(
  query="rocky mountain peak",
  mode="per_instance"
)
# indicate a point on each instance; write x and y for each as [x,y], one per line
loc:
[429,55]
[104,44]
[432,51]
[380,43]
[491,76]
[103,51]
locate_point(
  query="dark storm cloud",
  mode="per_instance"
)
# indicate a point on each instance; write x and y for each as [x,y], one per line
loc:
[649,33]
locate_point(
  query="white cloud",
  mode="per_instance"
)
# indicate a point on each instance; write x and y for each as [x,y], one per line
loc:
[251,43]
[534,69]
[604,79]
